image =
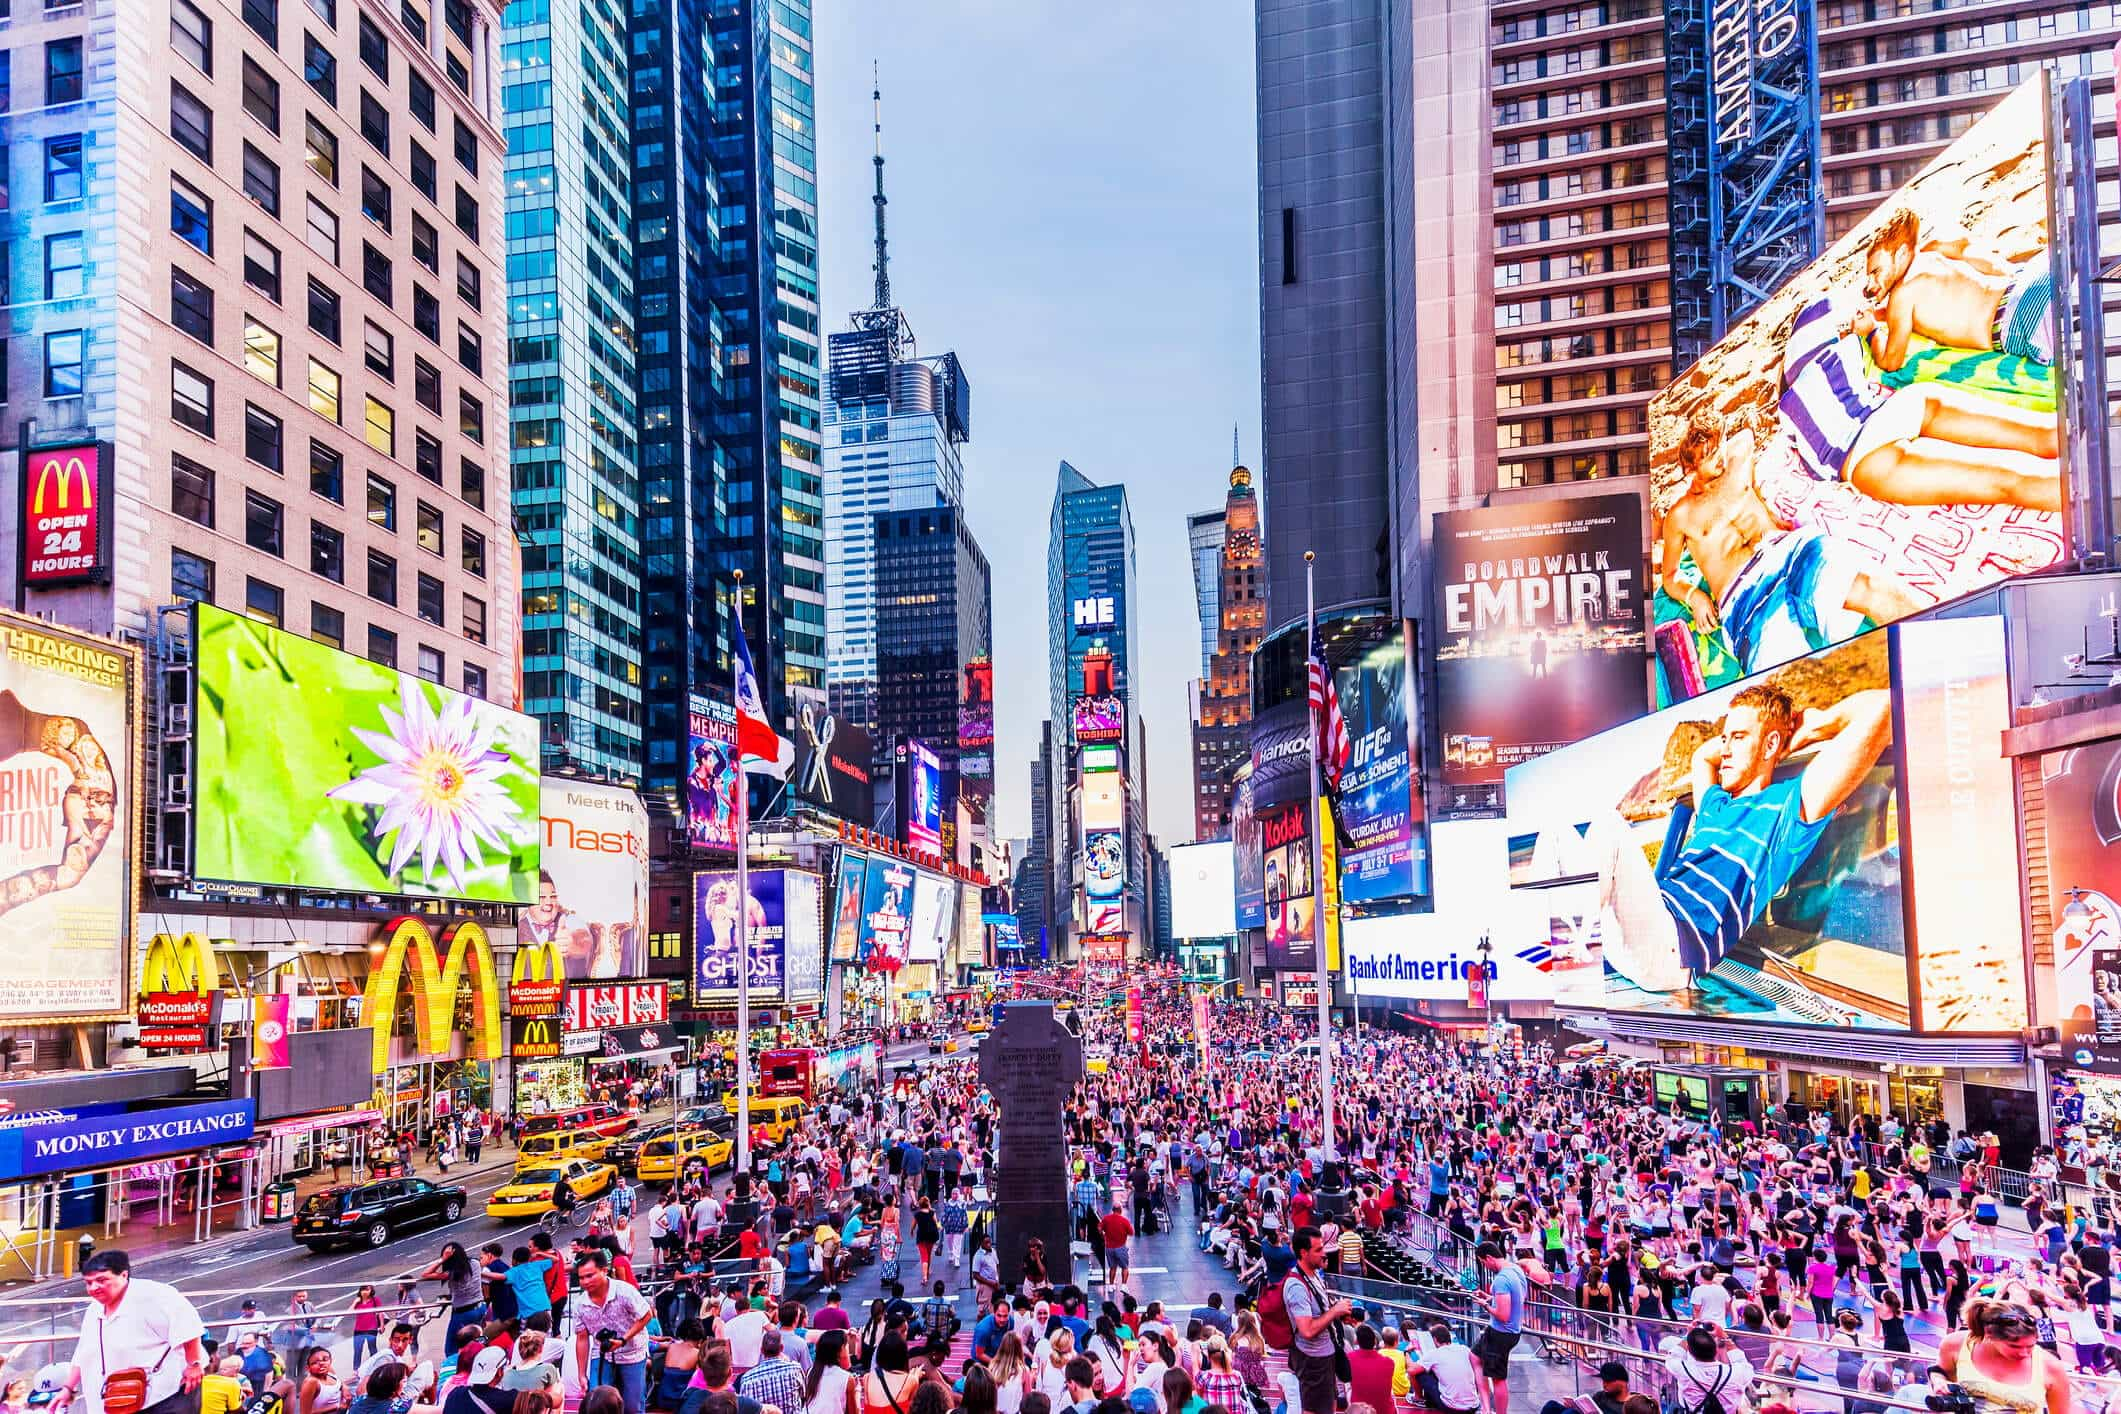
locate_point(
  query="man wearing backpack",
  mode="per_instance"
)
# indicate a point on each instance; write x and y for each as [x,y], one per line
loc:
[1314,1323]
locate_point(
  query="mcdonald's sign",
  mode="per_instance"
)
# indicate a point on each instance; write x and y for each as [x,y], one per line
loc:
[179,963]
[538,980]
[66,514]
[410,948]
[534,1038]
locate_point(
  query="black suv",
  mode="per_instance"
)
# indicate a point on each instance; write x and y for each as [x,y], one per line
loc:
[370,1213]
[625,1153]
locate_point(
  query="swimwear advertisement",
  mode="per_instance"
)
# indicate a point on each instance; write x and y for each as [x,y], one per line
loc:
[2081,786]
[320,770]
[1380,807]
[783,942]
[887,913]
[846,933]
[67,828]
[1104,881]
[710,776]
[1539,615]
[592,880]
[1879,436]
[1744,848]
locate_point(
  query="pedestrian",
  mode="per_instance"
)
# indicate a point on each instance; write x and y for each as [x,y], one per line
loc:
[141,1347]
[367,1323]
[1505,1302]
[466,1282]
[1314,1319]
[614,1315]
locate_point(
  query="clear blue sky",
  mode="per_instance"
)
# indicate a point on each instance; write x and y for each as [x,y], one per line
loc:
[1073,210]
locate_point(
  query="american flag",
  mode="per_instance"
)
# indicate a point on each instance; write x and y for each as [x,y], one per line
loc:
[1330,726]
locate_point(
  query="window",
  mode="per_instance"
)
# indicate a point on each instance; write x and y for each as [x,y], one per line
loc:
[456,71]
[472,554]
[468,282]
[323,391]
[261,265]
[263,601]
[327,473]
[470,350]
[376,273]
[191,399]
[191,306]
[191,34]
[430,664]
[63,168]
[467,213]
[413,19]
[320,67]
[471,418]
[64,354]
[427,598]
[7,81]
[62,71]
[375,198]
[375,50]
[427,459]
[327,11]
[382,503]
[420,98]
[262,523]
[261,351]
[191,489]
[472,482]
[382,646]
[379,351]
[375,123]
[264,438]
[327,625]
[323,234]
[466,145]
[380,426]
[191,122]
[322,146]
[421,164]
[191,215]
[323,310]
[382,577]
[426,244]
[327,552]
[474,618]
[427,314]
[426,385]
[263,17]
[65,258]
[427,528]
[474,681]
[261,179]
[191,577]
[261,95]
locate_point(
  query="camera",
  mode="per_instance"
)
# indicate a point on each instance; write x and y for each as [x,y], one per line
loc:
[1953,1399]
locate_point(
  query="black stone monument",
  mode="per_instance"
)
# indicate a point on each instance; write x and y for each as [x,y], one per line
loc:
[1031,1062]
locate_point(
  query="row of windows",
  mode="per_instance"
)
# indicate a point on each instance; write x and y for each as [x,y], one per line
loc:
[1628,132]
[1575,264]
[1921,42]
[1624,92]
[1838,14]
[1581,59]
[1589,343]
[1613,299]
[1987,79]
[1587,221]
[1602,383]
[1573,20]
[1584,181]
[1544,471]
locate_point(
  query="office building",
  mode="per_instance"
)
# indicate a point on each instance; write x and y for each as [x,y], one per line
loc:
[1204,539]
[259,253]
[571,368]
[934,614]
[1322,297]
[1034,874]
[1222,727]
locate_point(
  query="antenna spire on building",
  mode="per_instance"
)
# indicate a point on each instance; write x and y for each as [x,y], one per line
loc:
[1235,459]
[883,254]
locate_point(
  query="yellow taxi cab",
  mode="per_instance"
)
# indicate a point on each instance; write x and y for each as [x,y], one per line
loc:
[664,1158]
[775,1117]
[538,1189]
[543,1149]
[977,1026]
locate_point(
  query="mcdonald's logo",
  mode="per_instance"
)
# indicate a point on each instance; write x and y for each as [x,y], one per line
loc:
[534,1038]
[183,963]
[538,980]
[468,959]
[63,531]
[62,483]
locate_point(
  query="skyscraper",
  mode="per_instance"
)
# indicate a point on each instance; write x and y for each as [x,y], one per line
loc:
[934,614]
[1222,732]
[571,368]
[1204,538]
[1034,874]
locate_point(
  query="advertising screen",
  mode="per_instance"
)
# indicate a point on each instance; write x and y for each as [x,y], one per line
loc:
[320,770]
[1880,435]
[68,805]
[1285,848]
[1281,756]
[1247,859]
[1748,842]
[1098,759]
[975,718]
[845,934]
[934,923]
[1380,805]
[832,765]
[1540,629]
[923,806]
[1104,800]
[592,880]
[887,910]
[1969,942]
[1105,880]
[66,514]
[1203,889]
[1099,718]
[2082,789]
[711,777]
[783,944]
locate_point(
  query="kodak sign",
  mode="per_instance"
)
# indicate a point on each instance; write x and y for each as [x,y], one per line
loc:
[66,514]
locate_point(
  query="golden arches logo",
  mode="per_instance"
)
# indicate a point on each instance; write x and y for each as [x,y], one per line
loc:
[468,956]
[64,471]
[539,962]
[180,963]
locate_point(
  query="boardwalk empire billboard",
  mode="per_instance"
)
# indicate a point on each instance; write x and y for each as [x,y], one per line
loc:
[1539,616]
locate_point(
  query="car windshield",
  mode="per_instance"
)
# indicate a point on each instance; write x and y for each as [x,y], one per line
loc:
[538,1176]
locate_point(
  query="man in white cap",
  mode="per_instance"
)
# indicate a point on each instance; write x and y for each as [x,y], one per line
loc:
[482,1393]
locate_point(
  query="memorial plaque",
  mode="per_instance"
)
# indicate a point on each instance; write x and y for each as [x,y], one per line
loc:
[1031,1062]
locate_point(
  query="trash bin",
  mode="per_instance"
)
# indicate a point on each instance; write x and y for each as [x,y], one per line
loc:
[279,1203]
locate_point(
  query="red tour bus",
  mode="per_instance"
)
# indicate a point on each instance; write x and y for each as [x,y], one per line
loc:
[790,1072]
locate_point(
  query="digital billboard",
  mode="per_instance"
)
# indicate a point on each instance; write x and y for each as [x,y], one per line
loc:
[832,765]
[1099,718]
[711,777]
[1104,802]
[1880,435]
[320,770]
[1539,615]
[934,923]
[1745,846]
[1281,755]
[844,935]
[2081,789]
[786,961]
[922,808]
[592,880]
[887,911]
[69,809]
[1248,861]
[975,718]
[1203,889]
[1285,851]
[1104,881]
[1379,801]
[66,514]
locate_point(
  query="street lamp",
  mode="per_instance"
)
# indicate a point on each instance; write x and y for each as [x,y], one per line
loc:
[2076,913]
[1487,982]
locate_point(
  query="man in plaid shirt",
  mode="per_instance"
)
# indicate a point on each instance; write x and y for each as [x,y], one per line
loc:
[954,1225]
[776,1380]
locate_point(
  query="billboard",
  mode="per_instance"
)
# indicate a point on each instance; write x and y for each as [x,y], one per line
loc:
[1281,755]
[975,718]
[1380,804]
[1285,850]
[1099,759]
[1248,862]
[1099,718]
[887,911]
[1882,434]
[711,778]
[784,944]
[69,711]
[2081,786]
[1104,881]
[1745,847]
[66,514]
[921,810]
[934,922]
[320,770]
[592,880]
[832,765]
[844,932]
[1539,615]
[1104,802]
[1203,889]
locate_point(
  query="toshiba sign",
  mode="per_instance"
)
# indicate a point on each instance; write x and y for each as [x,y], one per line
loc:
[66,514]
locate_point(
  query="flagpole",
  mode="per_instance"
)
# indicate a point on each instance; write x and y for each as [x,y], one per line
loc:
[1318,883]
[743,926]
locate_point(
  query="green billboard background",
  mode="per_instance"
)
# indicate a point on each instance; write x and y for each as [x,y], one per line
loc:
[317,769]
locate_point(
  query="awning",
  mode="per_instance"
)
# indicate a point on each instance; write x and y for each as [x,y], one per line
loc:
[303,1124]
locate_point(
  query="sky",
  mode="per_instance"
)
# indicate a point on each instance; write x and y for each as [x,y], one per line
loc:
[1072,210]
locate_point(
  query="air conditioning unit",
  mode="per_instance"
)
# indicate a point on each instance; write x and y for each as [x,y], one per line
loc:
[176,788]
